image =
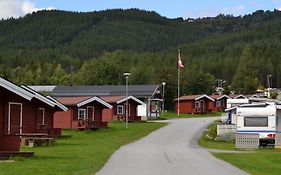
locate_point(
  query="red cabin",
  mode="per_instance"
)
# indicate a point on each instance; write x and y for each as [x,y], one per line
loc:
[83,113]
[23,111]
[118,112]
[197,104]
[219,104]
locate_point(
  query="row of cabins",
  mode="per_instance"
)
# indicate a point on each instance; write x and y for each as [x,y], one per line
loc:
[200,104]
[24,111]
[95,112]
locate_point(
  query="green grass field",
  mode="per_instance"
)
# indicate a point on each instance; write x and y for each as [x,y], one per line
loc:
[263,162]
[82,154]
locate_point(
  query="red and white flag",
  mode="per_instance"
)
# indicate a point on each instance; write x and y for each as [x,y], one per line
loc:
[180,65]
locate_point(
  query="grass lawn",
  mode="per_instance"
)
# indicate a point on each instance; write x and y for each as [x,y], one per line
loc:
[259,162]
[172,114]
[82,154]
[262,162]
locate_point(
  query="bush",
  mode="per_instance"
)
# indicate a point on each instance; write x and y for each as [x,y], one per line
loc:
[228,137]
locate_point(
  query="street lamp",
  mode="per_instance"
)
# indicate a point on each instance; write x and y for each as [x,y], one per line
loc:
[163,106]
[268,81]
[127,74]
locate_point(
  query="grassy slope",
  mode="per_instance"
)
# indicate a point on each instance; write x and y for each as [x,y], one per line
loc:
[206,143]
[84,153]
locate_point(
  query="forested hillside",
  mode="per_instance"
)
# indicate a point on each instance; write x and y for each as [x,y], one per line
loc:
[58,47]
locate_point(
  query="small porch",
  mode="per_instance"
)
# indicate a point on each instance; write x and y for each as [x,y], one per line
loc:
[90,124]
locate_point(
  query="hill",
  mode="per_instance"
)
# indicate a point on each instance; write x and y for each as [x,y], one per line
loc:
[58,47]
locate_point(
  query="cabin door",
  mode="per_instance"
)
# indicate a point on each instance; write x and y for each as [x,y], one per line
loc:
[15,118]
[202,106]
[90,113]
[127,108]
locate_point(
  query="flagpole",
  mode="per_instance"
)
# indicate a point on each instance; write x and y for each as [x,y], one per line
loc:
[179,87]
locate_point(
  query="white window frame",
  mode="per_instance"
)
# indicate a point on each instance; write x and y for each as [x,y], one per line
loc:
[197,104]
[218,103]
[43,119]
[79,110]
[9,116]
[120,106]
[88,107]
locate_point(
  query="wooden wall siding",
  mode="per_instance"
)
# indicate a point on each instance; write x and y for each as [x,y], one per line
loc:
[188,107]
[69,119]
[9,143]
[213,105]
[132,115]
[63,119]
[108,115]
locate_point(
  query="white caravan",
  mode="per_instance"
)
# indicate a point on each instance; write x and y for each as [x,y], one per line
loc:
[258,118]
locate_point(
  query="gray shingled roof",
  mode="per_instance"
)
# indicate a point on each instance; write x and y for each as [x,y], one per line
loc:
[139,91]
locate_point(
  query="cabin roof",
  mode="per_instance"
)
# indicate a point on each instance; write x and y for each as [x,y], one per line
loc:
[81,101]
[194,97]
[139,91]
[28,93]
[218,97]
[71,101]
[121,99]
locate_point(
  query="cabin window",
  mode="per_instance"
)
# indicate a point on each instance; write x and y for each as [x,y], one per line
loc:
[120,109]
[218,104]
[197,104]
[41,116]
[256,121]
[81,113]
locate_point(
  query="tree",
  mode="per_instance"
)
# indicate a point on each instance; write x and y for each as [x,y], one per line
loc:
[60,77]
[245,79]
[197,82]
[99,72]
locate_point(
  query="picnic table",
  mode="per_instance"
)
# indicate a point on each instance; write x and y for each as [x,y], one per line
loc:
[35,139]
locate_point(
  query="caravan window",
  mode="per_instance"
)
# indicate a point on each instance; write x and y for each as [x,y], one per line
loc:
[256,121]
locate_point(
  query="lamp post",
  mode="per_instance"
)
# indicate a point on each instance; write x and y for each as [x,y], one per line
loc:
[268,85]
[126,119]
[163,106]
[268,80]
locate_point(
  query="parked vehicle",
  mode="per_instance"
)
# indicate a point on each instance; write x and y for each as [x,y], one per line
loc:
[258,118]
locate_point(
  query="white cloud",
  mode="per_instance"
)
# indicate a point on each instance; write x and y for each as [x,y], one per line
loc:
[211,12]
[237,10]
[203,13]
[17,8]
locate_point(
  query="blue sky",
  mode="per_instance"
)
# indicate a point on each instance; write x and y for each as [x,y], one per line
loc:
[168,8]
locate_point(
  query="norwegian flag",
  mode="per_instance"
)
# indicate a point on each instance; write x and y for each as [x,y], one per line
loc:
[180,65]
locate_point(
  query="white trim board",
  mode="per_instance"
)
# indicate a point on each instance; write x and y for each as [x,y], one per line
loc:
[130,97]
[82,103]
[16,89]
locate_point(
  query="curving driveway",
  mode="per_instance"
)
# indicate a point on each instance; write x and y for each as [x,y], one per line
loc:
[171,150]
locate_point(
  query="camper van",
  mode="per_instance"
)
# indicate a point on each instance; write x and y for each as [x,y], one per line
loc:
[258,118]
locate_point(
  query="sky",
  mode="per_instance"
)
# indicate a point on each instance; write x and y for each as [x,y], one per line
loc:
[167,8]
